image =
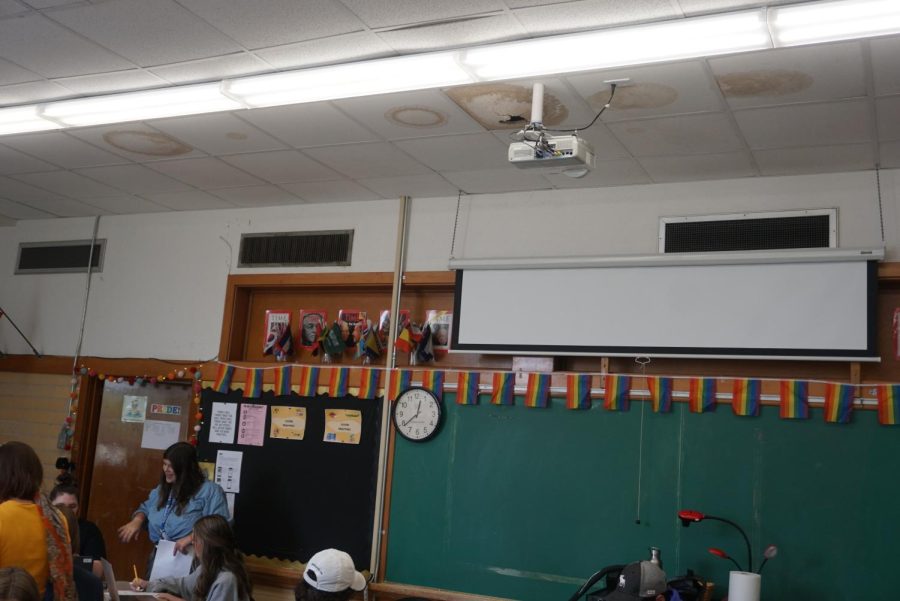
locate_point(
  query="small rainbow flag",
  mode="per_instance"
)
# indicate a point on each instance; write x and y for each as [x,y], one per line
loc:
[337,383]
[839,402]
[794,399]
[504,384]
[538,392]
[702,395]
[309,380]
[660,393]
[400,380]
[368,383]
[616,390]
[283,381]
[253,383]
[467,388]
[578,391]
[223,379]
[745,397]
[433,380]
[888,404]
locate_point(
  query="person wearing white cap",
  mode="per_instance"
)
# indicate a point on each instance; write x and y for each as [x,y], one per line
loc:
[329,575]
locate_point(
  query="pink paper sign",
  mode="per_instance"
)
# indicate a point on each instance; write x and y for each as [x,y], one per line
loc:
[252,424]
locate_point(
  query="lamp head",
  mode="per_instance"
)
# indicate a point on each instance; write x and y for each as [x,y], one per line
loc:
[688,515]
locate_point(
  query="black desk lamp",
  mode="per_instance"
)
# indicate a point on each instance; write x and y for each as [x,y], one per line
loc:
[688,516]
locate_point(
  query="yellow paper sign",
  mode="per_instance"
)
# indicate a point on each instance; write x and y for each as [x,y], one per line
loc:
[288,422]
[343,425]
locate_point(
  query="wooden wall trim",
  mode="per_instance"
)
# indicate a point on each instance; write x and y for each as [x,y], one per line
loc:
[889,271]
[59,364]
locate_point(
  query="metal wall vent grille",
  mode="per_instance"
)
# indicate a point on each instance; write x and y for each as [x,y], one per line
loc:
[284,249]
[69,256]
[811,229]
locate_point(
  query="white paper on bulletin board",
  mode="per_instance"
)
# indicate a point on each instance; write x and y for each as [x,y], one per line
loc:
[159,434]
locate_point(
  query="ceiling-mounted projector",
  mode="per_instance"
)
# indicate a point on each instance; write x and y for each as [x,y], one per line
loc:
[552,151]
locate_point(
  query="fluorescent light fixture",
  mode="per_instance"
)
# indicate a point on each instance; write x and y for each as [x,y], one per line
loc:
[672,40]
[383,76]
[137,106]
[828,21]
[23,119]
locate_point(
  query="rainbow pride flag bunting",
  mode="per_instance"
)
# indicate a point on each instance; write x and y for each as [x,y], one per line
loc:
[467,388]
[745,397]
[338,382]
[283,381]
[888,404]
[309,380]
[660,393]
[794,400]
[433,380]
[538,392]
[578,391]
[253,383]
[223,378]
[368,383]
[702,395]
[504,384]
[399,381]
[839,402]
[616,389]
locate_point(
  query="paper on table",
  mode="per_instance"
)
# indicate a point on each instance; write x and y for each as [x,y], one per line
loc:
[221,423]
[159,434]
[170,564]
[228,470]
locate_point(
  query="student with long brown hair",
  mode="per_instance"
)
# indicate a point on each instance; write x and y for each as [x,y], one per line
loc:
[221,575]
[18,585]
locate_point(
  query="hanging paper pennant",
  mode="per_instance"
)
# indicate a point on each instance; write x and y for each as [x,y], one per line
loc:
[838,402]
[888,404]
[283,381]
[337,384]
[223,379]
[745,397]
[702,395]
[660,393]
[537,394]
[368,383]
[578,391]
[433,380]
[399,381]
[253,383]
[794,400]
[504,383]
[467,388]
[309,380]
[616,392]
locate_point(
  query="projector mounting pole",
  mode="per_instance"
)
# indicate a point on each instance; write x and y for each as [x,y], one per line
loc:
[537,107]
[24,337]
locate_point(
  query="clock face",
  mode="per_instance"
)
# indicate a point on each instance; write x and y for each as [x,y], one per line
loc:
[417,414]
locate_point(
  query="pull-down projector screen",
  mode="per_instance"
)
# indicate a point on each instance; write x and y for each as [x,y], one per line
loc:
[804,309]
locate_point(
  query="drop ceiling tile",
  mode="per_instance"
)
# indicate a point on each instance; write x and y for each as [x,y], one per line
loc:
[362,45]
[889,155]
[68,183]
[207,69]
[652,91]
[622,172]
[57,205]
[63,150]
[263,23]
[592,14]
[39,4]
[337,191]
[258,196]
[126,205]
[32,92]
[497,180]
[685,134]
[358,161]
[829,123]
[12,161]
[787,75]
[888,117]
[217,133]
[42,46]
[466,152]
[699,167]
[147,33]
[391,13]
[136,141]
[415,186]
[453,34]
[283,166]
[135,179]
[206,174]
[409,115]
[819,159]
[525,3]
[189,200]
[15,210]
[23,193]
[9,8]
[106,83]
[311,124]
[11,73]
[886,65]
[695,7]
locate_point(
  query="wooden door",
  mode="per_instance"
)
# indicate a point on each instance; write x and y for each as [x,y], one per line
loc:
[124,472]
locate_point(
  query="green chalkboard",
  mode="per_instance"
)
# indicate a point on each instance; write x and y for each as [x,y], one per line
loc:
[527,503]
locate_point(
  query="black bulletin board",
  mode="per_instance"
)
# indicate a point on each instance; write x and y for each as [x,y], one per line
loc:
[298,497]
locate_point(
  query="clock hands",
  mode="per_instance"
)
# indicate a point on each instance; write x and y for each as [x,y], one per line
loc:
[418,408]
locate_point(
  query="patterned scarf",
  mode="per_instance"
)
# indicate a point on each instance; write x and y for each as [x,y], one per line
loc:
[59,551]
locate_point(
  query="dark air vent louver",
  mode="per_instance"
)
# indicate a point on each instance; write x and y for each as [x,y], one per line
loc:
[69,256]
[751,233]
[282,249]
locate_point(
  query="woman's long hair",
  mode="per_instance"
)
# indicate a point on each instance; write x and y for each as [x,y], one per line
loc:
[188,477]
[18,585]
[219,552]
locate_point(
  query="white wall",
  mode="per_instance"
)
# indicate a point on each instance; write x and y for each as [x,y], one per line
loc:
[161,293]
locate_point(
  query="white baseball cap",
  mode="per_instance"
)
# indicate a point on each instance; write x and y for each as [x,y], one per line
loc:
[333,571]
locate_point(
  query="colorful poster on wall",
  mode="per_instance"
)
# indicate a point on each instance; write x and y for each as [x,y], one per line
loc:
[288,423]
[134,408]
[352,323]
[312,323]
[343,426]
[278,334]
[440,322]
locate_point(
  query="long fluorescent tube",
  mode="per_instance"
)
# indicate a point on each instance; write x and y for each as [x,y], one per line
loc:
[830,21]
[366,78]
[23,119]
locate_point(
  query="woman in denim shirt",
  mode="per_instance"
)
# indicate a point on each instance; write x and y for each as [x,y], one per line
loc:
[183,496]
